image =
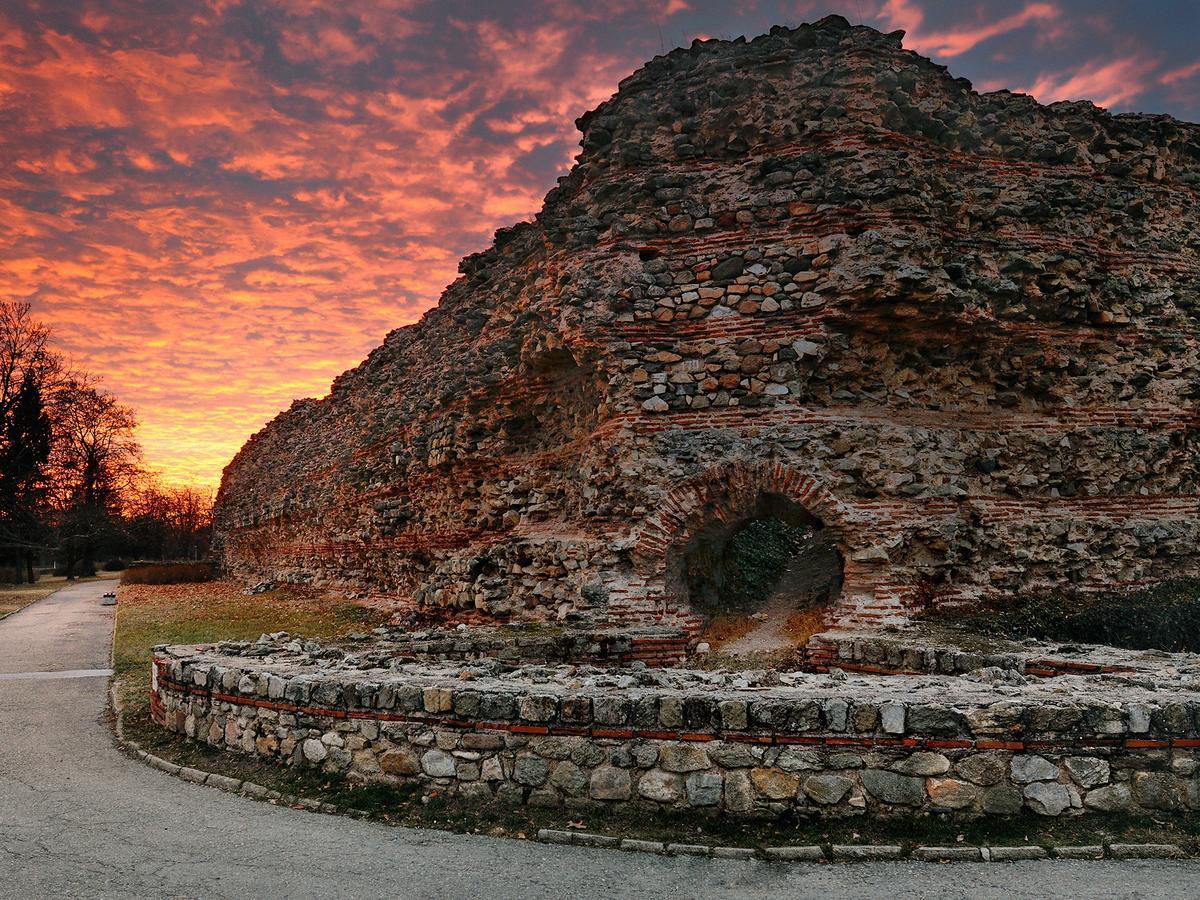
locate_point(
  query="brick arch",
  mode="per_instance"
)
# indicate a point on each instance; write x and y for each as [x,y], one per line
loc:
[724,494]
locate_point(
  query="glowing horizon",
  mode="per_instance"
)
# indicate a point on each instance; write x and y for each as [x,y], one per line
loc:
[221,208]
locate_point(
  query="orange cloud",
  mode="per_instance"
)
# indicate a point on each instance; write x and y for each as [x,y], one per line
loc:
[908,15]
[1181,74]
[1104,83]
[222,206]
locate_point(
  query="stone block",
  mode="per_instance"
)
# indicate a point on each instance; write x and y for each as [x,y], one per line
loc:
[1113,798]
[1159,790]
[438,764]
[983,768]
[889,787]
[947,854]
[1002,800]
[399,762]
[610,783]
[569,778]
[1028,767]
[704,789]
[1015,854]
[739,792]
[923,763]
[530,771]
[773,784]
[538,707]
[1047,798]
[827,790]
[660,786]
[795,854]
[950,793]
[1087,771]
[892,717]
[683,757]
[437,700]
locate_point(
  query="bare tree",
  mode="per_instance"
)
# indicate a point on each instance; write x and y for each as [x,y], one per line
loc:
[96,463]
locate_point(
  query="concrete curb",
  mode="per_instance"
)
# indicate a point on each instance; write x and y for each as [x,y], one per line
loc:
[843,853]
[861,852]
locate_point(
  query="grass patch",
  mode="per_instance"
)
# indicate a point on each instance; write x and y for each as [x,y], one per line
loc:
[1163,617]
[17,596]
[170,573]
[205,613]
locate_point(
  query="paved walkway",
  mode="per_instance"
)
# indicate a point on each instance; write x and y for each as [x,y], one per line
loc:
[79,819]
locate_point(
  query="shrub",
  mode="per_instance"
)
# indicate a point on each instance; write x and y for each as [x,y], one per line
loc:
[1163,617]
[741,574]
[115,565]
[169,573]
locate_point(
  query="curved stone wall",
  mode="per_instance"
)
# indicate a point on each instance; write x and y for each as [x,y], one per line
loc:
[748,744]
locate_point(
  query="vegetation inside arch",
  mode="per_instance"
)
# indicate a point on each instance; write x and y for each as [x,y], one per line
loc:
[780,551]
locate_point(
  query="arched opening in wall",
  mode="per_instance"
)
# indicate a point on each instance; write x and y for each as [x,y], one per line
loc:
[766,580]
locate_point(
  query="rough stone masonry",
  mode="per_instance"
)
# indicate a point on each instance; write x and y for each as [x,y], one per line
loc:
[957,331]
[763,744]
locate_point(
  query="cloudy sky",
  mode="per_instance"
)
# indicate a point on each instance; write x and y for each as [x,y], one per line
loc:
[221,204]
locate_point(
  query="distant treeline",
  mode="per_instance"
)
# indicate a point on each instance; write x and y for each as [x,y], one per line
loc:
[74,492]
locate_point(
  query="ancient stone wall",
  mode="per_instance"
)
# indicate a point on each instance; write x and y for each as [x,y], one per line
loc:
[958,329]
[735,745]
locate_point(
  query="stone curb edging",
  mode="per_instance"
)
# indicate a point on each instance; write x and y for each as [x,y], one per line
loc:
[813,853]
[862,852]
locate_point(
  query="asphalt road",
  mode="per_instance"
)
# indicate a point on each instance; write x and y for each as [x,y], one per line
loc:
[80,819]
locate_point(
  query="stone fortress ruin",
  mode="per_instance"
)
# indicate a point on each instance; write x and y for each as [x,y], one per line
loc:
[924,345]
[809,275]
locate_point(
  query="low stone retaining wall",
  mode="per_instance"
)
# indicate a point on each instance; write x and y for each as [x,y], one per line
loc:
[746,744]
[882,654]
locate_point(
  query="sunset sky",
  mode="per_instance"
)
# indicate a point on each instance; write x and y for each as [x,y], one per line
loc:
[221,205]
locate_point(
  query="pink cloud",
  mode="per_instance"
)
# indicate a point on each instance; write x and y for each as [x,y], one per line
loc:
[1181,74]
[909,16]
[1104,83]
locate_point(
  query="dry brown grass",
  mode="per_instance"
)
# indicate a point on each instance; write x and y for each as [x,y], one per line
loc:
[217,610]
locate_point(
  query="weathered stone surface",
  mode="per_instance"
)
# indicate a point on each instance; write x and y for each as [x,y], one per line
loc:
[704,789]
[665,787]
[1113,798]
[827,789]
[1027,767]
[739,792]
[923,763]
[892,716]
[1002,800]
[569,778]
[611,783]
[1047,798]
[399,762]
[892,788]
[1159,790]
[437,764]
[950,793]
[530,770]
[683,757]
[1087,771]
[983,768]
[710,326]
[315,751]
[773,784]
